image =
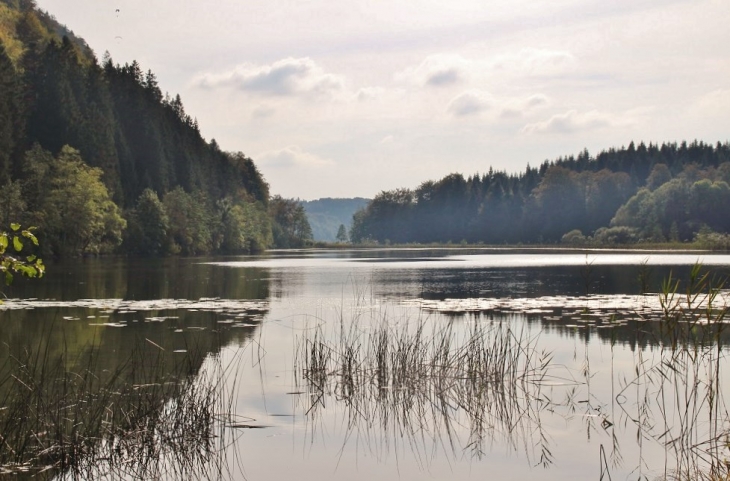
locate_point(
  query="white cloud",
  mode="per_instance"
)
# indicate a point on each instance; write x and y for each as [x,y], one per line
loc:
[468,103]
[536,100]
[573,121]
[516,108]
[289,157]
[447,76]
[445,70]
[436,71]
[286,77]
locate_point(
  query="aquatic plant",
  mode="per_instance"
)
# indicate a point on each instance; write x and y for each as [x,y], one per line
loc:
[679,399]
[422,383]
[149,418]
[460,384]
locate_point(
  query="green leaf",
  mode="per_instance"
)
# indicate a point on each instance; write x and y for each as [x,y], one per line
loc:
[32,266]
[28,271]
[28,234]
[17,244]
[41,268]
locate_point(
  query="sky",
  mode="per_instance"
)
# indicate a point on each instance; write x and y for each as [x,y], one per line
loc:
[346,98]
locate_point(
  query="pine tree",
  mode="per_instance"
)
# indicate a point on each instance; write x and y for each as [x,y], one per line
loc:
[342,234]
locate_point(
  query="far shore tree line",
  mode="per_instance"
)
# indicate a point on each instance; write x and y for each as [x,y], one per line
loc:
[646,193]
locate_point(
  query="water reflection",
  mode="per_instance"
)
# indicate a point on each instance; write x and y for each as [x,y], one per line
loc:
[463,389]
[113,368]
[657,408]
[143,279]
[591,379]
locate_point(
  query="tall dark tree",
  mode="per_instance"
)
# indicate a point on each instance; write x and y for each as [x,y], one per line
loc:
[11,116]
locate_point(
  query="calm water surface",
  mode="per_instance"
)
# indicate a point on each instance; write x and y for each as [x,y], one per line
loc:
[601,404]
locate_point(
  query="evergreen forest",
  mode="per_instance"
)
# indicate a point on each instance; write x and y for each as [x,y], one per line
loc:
[646,193]
[100,160]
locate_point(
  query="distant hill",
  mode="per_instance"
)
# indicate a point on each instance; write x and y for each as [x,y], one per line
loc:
[326,215]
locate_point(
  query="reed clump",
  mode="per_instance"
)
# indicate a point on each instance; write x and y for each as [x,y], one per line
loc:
[424,383]
[146,419]
[679,398]
[695,317]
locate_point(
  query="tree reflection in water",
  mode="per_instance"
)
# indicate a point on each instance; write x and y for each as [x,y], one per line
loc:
[142,410]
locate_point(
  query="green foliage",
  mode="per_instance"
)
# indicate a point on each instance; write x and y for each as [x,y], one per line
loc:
[257,231]
[147,226]
[12,203]
[609,236]
[245,227]
[233,226]
[191,222]
[71,205]
[637,212]
[558,203]
[290,227]
[659,176]
[445,203]
[14,256]
[384,216]
[574,237]
[678,209]
[11,129]
[359,232]
[712,240]
[706,201]
[604,192]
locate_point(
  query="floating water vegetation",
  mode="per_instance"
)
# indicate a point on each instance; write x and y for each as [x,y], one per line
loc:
[151,417]
[125,306]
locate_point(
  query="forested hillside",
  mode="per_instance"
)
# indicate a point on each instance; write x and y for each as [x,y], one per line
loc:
[651,193]
[95,154]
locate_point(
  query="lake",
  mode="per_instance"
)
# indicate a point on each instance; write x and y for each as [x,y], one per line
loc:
[395,363]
